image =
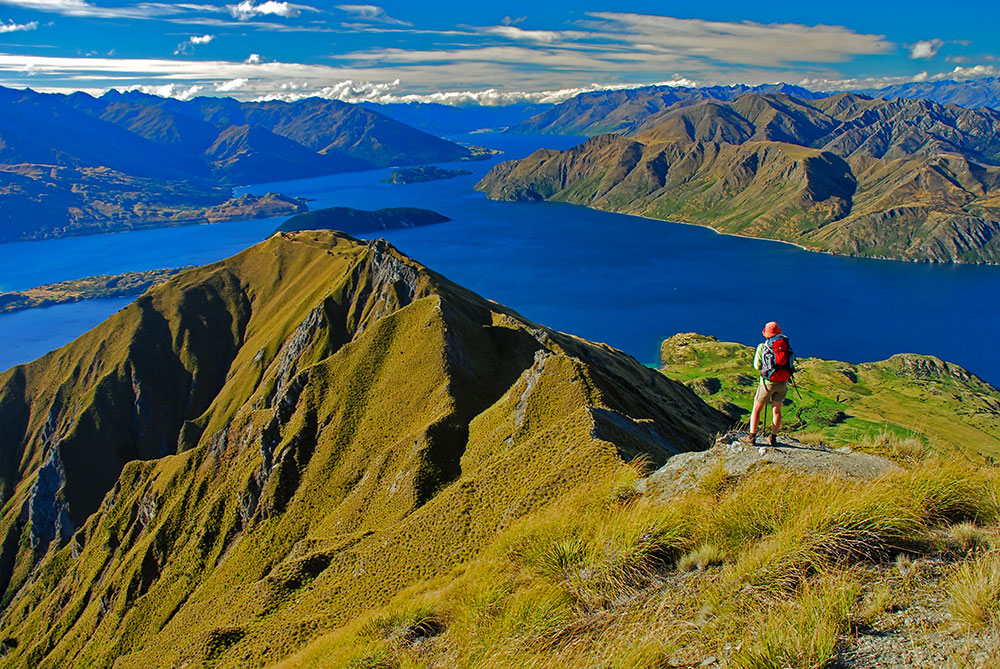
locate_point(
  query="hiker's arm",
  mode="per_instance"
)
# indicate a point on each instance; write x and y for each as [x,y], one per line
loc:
[757,357]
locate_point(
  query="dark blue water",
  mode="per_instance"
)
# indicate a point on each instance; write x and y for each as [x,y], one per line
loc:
[624,280]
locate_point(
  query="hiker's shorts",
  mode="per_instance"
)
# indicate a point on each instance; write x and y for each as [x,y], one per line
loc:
[773,392]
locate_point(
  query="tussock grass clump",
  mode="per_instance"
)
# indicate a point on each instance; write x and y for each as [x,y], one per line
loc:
[877,601]
[801,632]
[975,592]
[905,566]
[406,626]
[701,558]
[756,507]
[896,447]
[716,480]
[951,492]
[967,537]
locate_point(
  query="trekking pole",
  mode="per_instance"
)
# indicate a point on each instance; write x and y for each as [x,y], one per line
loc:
[767,405]
[796,386]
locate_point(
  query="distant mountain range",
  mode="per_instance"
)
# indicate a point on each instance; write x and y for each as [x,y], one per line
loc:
[183,155]
[973,93]
[625,110]
[908,179]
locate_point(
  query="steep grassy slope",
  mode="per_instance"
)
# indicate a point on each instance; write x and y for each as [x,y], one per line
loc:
[257,451]
[844,174]
[906,395]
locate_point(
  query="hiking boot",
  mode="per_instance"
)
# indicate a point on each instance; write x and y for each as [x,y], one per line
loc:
[750,439]
[772,441]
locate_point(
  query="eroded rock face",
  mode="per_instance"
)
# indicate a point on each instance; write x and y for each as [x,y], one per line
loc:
[48,512]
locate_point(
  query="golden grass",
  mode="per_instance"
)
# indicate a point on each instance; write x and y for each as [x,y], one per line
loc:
[701,558]
[600,582]
[974,590]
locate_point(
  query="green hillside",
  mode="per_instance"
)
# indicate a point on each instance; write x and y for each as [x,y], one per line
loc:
[946,407]
[257,451]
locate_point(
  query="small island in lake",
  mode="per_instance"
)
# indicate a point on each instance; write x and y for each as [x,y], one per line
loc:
[413,175]
[359,221]
[87,288]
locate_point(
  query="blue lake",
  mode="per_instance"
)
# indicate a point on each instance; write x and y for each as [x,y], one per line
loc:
[624,280]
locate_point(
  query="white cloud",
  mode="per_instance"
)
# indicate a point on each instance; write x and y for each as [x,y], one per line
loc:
[744,42]
[17,27]
[974,72]
[232,85]
[386,93]
[58,6]
[957,74]
[514,33]
[372,13]
[253,59]
[511,21]
[187,47]
[927,48]
[141,10]
[168,91]
[248,10]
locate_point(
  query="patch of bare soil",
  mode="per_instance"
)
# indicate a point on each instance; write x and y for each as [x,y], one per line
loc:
[917,629]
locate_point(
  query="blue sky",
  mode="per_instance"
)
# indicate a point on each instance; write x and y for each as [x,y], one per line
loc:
[493,53]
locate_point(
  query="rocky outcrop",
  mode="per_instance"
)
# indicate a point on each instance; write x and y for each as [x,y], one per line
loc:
[48,511]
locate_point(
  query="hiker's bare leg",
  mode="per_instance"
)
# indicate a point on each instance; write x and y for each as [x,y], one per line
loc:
[755,416]
[776,414]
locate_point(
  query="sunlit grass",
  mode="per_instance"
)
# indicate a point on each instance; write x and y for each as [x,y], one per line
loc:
[768,571]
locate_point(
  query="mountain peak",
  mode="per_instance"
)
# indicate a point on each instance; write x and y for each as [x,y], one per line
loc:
[252,420]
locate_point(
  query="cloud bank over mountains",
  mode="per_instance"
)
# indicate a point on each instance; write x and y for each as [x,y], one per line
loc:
[365,52]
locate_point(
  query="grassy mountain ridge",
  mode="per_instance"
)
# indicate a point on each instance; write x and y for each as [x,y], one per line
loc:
[258,450]
[845,174]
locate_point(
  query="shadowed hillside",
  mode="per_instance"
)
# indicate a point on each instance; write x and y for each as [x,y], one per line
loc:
[257,451]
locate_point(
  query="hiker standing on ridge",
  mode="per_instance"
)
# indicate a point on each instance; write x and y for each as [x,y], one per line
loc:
[773,359]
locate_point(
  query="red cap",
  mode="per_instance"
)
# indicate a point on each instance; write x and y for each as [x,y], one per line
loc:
[771,329]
